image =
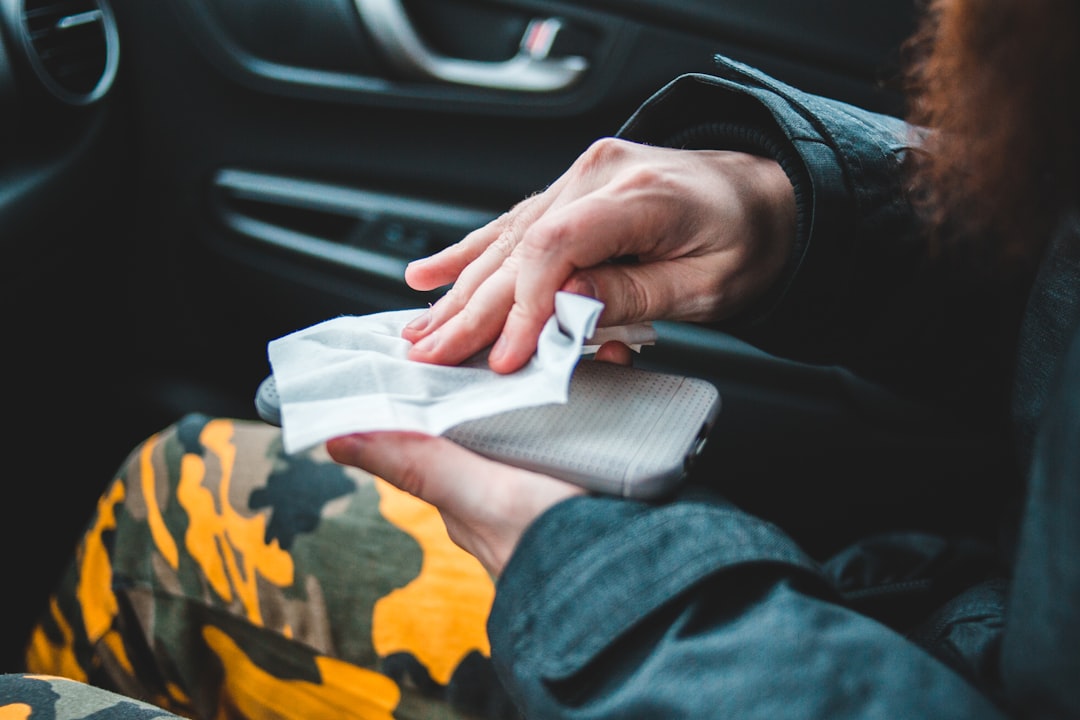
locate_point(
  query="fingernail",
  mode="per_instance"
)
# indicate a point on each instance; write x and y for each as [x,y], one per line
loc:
[427,344]
[581,285]
[498,349]
[420,322]
[346,447]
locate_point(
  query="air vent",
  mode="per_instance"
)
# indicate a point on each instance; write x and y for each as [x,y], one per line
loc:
[73,47]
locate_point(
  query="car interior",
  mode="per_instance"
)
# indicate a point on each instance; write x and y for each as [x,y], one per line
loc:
[183,181]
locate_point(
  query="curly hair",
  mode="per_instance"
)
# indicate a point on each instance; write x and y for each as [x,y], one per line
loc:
[997,82]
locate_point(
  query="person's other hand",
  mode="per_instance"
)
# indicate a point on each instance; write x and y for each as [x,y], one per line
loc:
[486,505]
[709,231]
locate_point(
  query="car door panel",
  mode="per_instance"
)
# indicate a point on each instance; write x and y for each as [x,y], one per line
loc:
[273,200]
[382,73]
[298,198]
[262,165]
[215,99]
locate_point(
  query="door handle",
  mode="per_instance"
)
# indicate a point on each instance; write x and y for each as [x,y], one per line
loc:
[530,70]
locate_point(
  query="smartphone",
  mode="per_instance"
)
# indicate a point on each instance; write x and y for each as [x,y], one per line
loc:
[624,431]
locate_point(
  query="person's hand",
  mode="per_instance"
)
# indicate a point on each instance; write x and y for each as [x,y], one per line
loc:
[486,505]
[709,231]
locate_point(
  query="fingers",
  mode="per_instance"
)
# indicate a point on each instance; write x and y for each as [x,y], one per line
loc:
[683,289]
[443,267]
[469,264]
[581,234]
[472,264]
[459,333]
[432,468]
[446,266]
[515,295]
[615,352]
[486,505]
[457,482]
[508,292]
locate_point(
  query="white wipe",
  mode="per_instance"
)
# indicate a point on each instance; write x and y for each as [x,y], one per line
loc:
[350,374]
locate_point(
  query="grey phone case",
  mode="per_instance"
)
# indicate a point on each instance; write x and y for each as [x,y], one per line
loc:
[624,431]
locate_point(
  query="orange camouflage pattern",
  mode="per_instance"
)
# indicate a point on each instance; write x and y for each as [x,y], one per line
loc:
[221,578]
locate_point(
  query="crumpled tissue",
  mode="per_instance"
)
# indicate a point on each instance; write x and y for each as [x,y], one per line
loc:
[350,374]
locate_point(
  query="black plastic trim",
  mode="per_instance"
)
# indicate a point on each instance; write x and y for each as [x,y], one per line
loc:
[235,190]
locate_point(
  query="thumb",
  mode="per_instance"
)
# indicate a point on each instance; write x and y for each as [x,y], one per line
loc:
[429,467]
[615,352]
[659,290]
[486,505]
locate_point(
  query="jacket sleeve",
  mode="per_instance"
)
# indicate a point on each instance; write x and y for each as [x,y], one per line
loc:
[862,288]
[693,609]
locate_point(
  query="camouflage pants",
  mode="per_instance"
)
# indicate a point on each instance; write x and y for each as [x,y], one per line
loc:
[45,697]
[222,578]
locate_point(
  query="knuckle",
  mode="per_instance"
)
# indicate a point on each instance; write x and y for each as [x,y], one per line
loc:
[645,176]
[511,265]
[552,233]
[504,221]
[503,245]
[520,315]
[468,319]
[548,236]
[603,151]
[411,475]
[512,226]
[452,299]
[636,300]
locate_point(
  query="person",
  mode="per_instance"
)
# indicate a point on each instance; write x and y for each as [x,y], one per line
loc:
[938,258]
[727,616]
